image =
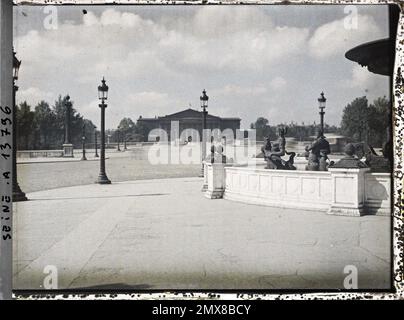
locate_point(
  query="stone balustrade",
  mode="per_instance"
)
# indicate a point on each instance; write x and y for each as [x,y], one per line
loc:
[39,153]
[338,191]
[280,188]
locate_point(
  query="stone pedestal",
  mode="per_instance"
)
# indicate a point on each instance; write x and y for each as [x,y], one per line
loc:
[216,180]
[348,191]
[68,150]
[205,178]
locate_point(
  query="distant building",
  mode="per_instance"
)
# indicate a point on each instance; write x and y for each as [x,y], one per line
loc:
[188,119]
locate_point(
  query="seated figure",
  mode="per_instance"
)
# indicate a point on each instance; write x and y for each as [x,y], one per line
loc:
[273,153]
[317,154]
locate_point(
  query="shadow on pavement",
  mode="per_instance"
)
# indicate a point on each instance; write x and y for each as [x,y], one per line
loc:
[102,197]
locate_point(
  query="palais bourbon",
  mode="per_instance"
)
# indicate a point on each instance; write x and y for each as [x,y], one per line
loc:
[188,120]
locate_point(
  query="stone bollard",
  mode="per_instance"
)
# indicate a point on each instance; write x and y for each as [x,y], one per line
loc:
[216,180]
[348,190]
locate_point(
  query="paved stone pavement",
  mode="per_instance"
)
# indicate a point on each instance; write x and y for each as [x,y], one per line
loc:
[121,166]
[90,155]
[163,234]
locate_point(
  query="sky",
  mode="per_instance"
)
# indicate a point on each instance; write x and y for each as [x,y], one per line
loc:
[253,61]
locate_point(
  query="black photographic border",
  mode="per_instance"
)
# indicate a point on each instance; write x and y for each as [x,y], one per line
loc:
[397,221]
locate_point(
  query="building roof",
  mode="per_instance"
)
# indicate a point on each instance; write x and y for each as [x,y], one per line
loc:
[187,113]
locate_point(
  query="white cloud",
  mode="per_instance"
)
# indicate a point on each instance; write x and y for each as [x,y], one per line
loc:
[34,95]
[236,40]
[334,39]
[278,83]
[361,77]
[156,62]
[366,82]
[236,90]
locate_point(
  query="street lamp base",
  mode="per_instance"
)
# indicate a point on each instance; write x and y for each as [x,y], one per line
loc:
[18,195]
[96,155]
[103,179]
[83,158]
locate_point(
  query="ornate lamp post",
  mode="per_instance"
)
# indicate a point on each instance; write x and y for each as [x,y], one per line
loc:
[103,96]
[204,105]
[67,145]
[95,142]
[18,195]
[321,105]
[83,139]
[118,134]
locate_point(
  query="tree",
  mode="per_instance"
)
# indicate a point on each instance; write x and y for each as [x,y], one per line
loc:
[89,131]
[141,131]
[380,121]
[44,124]
[76,124]
[25,125]
[263,129]
[127,128]
[354,119]
[59,112]
[44,128]
[367,123]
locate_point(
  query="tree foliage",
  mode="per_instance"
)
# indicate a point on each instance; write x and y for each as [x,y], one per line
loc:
[300,132]
[364,122]
[262,129]
[43,127]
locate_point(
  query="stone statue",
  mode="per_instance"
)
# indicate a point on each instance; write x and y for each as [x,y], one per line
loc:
[317,154]
[353,154]
[355,151]
[379,163]
[273,153]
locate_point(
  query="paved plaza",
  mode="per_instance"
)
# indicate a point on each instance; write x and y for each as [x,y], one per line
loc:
[37,174]
[163,234]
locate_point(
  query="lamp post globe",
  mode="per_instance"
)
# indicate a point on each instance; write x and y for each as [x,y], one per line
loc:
[204,100]
[103,96]
[16,66]
[68,106]
[321,105]
[204,105]
[103,91]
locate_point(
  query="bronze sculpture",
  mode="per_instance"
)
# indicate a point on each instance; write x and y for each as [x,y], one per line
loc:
[376,162]
[353,154]
[273,153]
[317,154]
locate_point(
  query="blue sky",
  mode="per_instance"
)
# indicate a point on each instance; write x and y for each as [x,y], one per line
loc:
[270,61]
